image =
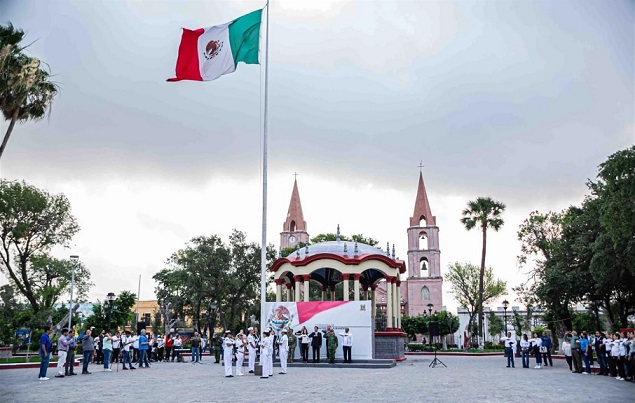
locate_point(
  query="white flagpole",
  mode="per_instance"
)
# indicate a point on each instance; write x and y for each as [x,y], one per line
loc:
[263,252]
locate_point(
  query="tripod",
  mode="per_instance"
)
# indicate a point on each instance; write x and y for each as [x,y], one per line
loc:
[436,361]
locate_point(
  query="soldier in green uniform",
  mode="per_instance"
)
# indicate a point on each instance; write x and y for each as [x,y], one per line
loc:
[293,341]
[332,346]
[218,342]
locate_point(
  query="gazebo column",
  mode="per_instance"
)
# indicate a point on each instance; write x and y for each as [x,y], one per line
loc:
[373,302]
[398,299]
[289,285]
[279,282]
[346,277]
[297,287]
[307,280]
[356,278]
[333,293]
[324,292]
[389,302]
[395,301]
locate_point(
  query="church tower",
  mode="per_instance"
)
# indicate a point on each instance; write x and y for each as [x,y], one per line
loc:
[294,228]
[424,284]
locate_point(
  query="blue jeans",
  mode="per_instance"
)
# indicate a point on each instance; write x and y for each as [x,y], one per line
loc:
[107,358]
[44,365]
[525,358]
[196,354]
[87,356]
[585,359]
[510,356]
[143,358]
[126,359]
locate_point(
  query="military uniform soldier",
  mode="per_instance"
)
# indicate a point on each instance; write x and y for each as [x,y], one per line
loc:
[332,346]
[293,341]
[228,352]
[218,343]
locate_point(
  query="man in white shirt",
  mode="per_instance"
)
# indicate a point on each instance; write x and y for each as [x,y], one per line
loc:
[135,348]
[126,341]
[510,349]
[240,352]
[228,352]
[283,348]
[251,349]
[347,345]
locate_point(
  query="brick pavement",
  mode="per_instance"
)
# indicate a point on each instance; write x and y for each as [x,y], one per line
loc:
[466,379]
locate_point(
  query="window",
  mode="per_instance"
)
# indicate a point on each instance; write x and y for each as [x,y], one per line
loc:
[425,293]
[292,226]
[423,265]
[422,221]
[146,318]
[423,241]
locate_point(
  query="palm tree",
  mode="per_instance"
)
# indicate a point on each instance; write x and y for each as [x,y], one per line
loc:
[25,90]
[486,213]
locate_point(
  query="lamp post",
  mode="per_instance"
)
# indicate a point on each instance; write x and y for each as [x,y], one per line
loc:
[110,299]
[212,317]
[74,260]
[430,307]
[505,306]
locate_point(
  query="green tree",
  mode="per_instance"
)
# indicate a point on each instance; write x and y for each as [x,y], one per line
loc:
[33,221]
[465,279]
[113,315]
[26,92]
[414,325]
[496,325]
[10,309]
[485,213]
[208,270]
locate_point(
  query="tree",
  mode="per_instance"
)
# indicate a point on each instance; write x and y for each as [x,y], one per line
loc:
[32,221]
[10,309]
[496,324]
[113,315]
[465,279]
[26,93]
[208,270]
[414,325]
[486,213]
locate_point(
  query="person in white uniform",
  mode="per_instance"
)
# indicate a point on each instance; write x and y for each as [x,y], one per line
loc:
[264,352]
[251,348]
[271,339]
[283,348]
[240,353]
[228,352]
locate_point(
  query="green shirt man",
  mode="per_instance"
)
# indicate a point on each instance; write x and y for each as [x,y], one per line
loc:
[332,346]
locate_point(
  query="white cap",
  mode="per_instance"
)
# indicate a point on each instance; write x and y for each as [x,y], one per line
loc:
[249,329]
[284,330]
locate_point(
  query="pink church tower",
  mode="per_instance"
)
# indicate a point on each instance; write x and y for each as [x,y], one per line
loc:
[424,283]
[294,227]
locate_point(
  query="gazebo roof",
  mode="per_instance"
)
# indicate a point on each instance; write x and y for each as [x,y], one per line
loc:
[349,253]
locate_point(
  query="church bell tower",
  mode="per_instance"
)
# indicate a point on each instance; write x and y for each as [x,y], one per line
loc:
[294,227]
[424,284]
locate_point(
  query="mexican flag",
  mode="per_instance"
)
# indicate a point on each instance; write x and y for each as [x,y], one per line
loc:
[207,53]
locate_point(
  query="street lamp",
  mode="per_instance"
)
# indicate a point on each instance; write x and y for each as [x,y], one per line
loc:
[212,317]
[505,306]
[430,307]
[74,260]
[110,299]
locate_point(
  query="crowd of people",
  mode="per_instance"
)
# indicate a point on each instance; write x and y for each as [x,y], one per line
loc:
[614,352]
[142,348]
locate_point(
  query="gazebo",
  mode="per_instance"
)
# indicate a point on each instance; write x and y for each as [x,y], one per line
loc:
[333,262]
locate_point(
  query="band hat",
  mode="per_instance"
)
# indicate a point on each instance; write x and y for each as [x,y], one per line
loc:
[249,329]
[228,331]
[283,330]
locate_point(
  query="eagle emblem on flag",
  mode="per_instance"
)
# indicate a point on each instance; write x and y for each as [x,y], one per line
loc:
[212,49]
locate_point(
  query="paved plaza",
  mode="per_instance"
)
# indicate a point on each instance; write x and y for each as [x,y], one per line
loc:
[466,379]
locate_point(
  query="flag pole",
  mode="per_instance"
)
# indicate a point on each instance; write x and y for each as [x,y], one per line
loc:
[263,251]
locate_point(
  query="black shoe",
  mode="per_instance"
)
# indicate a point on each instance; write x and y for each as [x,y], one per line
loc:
[59,376]
[264,377]
[251,372]
[132,368]
[124,369]
[507,366]
[229,376]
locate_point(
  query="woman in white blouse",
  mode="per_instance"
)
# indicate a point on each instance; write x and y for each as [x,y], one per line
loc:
[566,350]
[536,343]
[304,344]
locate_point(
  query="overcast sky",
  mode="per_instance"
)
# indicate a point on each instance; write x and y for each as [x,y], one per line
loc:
[516,100]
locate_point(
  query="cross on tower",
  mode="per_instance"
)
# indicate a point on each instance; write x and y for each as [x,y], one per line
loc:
[295,176]
[420,166]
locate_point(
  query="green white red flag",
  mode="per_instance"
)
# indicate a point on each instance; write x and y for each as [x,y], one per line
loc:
[208,53]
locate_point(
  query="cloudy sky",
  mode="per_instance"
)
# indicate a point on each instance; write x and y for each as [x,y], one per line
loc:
[516,100]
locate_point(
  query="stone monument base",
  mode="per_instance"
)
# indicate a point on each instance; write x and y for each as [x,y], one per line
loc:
[391,344]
